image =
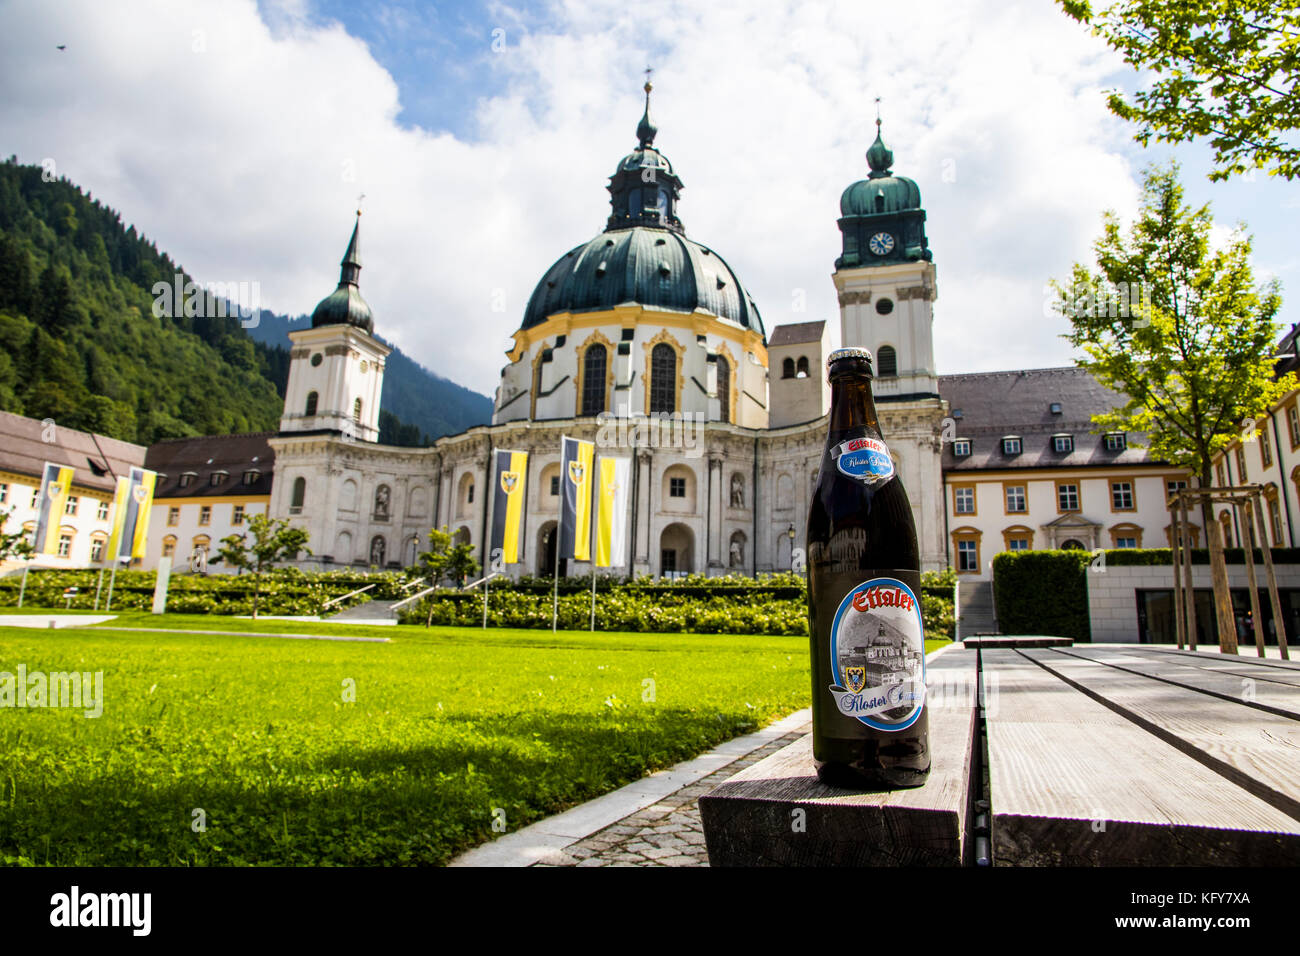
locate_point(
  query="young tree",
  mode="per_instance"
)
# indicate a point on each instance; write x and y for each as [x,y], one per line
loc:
[272,541]
[13,545]
[1226,69]
[1181,329]
[447,559]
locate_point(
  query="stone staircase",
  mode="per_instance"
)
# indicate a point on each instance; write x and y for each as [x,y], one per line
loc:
[975,614]
[367,612]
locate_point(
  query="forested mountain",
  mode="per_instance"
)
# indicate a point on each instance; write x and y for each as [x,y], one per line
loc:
[80,343]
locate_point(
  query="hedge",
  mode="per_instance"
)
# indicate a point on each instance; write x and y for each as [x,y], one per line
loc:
[1043,592]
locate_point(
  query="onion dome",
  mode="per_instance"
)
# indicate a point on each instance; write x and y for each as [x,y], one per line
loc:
[881,191]
[881,218]
[643,256]
[344,306]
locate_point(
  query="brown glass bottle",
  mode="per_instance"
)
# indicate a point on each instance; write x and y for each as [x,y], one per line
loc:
[864,591]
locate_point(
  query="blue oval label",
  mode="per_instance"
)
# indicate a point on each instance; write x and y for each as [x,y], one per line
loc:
[866,459]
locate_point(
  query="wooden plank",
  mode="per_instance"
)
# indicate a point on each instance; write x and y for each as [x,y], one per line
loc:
[777,813]
[1018,640]
[1074,783]
[1258,751]
[1281,671]
[1255,689]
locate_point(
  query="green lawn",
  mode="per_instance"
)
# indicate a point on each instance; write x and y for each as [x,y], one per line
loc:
[447,725]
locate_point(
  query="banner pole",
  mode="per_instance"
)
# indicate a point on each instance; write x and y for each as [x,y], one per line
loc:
[112,579]
[555,593]
[595,520]
[22,588]
[99,587]
[486,583]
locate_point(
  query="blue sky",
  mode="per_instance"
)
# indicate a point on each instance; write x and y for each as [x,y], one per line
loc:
[482,135]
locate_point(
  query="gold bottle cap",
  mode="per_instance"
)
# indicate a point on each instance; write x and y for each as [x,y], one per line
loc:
[849,353]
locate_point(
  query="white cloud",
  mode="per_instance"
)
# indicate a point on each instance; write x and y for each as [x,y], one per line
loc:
[230,139]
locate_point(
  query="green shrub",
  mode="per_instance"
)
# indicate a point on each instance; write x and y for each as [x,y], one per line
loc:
[1042,592]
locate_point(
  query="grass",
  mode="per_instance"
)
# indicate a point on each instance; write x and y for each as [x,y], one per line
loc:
[448,726]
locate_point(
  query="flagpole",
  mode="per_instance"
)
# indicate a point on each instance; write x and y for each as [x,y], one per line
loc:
[99,587]
[486,583]
[22,588]
[112,579]
[595,520]
[555,593]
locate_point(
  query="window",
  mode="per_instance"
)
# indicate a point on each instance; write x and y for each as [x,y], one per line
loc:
[884,306]
[1218,473]
[1122,542]
[663,378]
[1016,503]
[1116,441]
[1011,445]
[236,514]
[36,497]
[802,367]
[169,546]
[593,380]
[173,517]
[218,478]
[787,368]
[1054,408]
[1275,519]
[4,493]
[1293,425]
[101,512]
[1174,484]
[961,448]
[1121,496]
[65,545]
[312,399]
[886,361]
[967,556]
[1017,544]
[70,506]
[1241,464]
[356,411]
[724,390]
[1063,443]
[97,549]
[677,487]
[555,486]
[963,500]
[469,495]
[205,514]
[252,477]
[668,560]
[187,479]
[299,493]
[1067,497]
[1265,445]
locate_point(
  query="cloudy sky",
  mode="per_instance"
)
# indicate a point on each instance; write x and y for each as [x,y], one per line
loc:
[238,136]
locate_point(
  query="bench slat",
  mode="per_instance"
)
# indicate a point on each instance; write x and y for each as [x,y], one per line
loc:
[750,820]
[1073,783]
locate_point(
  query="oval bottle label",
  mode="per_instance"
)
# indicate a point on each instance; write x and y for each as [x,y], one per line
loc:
[878,655]
[866,459]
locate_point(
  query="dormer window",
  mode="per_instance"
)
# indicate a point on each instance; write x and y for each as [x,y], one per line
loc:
[1116,441]
[187,479]
[218,478]
[1011,445]
[1054,408]
[251,477]
[1063,444]
[961,448]
[956,413]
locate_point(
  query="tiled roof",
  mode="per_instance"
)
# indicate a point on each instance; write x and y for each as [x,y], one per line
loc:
[991,405]
[797,333]
[97,460]
[229,457]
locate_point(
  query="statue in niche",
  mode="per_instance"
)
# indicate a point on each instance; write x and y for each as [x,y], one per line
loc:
[737,552]
[381,501]
[377,551]
[737,491]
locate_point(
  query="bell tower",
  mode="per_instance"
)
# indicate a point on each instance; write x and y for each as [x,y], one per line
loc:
[336,367]
[885,279]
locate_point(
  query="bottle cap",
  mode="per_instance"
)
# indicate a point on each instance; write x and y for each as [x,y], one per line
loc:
[851,353]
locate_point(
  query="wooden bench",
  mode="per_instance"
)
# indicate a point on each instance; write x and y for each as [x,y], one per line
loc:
[1082,755]
[777,813]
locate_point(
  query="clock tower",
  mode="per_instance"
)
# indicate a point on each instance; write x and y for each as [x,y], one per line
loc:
[885,280]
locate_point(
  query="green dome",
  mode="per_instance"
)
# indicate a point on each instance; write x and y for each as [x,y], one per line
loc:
[344,306]
[881,192]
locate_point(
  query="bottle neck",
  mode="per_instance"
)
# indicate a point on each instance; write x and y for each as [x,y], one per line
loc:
[852,407]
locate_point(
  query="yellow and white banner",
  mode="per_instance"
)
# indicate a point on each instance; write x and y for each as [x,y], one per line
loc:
[508,503]
[131,507]
[56,482]
[576,458]
[613,495]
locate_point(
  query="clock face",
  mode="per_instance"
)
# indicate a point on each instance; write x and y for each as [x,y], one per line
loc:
[882,243]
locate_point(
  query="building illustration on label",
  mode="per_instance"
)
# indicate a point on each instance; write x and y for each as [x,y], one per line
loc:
[866,459]
[878,655]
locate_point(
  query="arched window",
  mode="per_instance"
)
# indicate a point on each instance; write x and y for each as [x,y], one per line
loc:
[356,411]
[299,493]
[886,361]
[312,398]
[802,367]
[724,390]
[787,368]
[593,380]
[663,378]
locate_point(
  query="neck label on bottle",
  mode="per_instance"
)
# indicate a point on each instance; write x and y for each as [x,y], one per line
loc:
[878,655]
[866,459]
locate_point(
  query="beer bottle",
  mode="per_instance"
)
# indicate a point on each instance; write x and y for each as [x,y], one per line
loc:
[864,600]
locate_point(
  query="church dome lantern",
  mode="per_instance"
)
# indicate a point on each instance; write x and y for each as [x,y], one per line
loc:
[345,306]
[882,221]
